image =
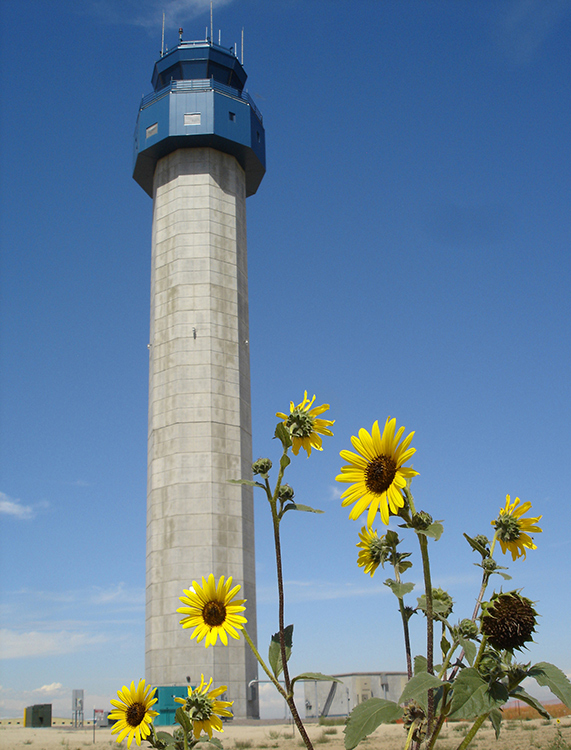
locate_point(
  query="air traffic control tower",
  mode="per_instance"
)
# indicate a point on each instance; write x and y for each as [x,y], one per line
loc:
[199,152]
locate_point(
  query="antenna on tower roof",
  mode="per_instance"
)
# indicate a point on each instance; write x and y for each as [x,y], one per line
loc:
[242,55]
[163,37]
[211,31]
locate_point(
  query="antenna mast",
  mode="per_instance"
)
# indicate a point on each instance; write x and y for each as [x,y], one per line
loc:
[242,55]
[211,30]
[163,37]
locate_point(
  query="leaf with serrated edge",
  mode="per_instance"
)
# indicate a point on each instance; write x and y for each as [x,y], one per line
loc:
[366,717]
[473,697]
[550,676]
[519,693]
[417,688]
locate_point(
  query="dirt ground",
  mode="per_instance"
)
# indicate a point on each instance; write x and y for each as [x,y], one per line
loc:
[516,735]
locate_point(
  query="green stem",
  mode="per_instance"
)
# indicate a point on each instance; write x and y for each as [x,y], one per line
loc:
[409,735]
[423,541]
[472,733]
[446,662]
[263,664]
[480,652]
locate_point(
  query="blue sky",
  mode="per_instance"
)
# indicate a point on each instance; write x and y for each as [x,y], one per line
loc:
[408,255]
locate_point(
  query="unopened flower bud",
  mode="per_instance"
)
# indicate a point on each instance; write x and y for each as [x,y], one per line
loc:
[262,466]
[467,629]
[286,492]
[421,520]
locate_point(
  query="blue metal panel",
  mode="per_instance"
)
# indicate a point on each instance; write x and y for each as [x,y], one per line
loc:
[217,116]
[166,705]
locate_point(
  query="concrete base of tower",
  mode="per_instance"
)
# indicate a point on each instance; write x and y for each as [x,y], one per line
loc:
[199,417]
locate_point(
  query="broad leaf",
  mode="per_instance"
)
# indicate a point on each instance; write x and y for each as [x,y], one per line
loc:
[366,717]
[285,461]
[521,695]
[282,434]
[315,676]
[420,664]
[550,676]
[400,590]
[182,718]
[496,718]
[417,689]
[473,697]
[434,530]
[306,508]
[438,607]
[247,482]
[505,576]
[470,649]
[275,651]
[444,645]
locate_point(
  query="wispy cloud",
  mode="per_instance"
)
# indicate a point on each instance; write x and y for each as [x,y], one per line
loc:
[33,644]
[523,26]
[148,14]
[14,508]
[55,687]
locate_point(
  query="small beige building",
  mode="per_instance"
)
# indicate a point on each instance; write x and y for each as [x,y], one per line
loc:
[340,698]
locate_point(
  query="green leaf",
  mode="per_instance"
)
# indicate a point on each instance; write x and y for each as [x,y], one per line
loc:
[366,717]
[496,718]
[315,676]
[470,649]
[275,652]
[444,646]
[519,693]
[403,565]
[550,676]
[473,697]
[285,461]
[417,688]
[247,482]
[505,576]
[420,664]
[434,530]
[296,506]
[438,606]
[477,546]
[182,718]
[282,434]
[211,741]
[399,589]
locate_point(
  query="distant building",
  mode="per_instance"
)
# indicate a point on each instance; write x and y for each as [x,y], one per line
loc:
[340,698]
[39,715]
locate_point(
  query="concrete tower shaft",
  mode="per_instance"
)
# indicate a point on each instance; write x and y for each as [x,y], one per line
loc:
[200,142]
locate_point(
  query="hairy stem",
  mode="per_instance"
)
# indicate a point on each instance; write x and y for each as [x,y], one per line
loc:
[423,541]
[472,733]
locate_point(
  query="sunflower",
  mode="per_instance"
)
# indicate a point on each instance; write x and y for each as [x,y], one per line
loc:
[132,712]
[509,621]
[203,708]
[304,426]
[377,474]
[512,530]
[372,552]
[212,610]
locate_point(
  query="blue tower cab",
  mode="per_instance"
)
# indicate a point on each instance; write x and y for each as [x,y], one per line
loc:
[199,101]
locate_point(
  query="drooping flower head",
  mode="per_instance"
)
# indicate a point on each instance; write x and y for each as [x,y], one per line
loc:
[304,426]
[373,550]
[203,708]
[376,472]
[513,530]
[132,713]
[212,610]
[509,621]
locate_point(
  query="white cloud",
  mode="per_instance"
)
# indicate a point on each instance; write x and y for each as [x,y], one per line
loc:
[55,687]
[18,645]
[149,13]
[14,508]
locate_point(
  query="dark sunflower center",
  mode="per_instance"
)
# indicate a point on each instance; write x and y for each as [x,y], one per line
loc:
[214,614]
[135,714]
[380,473]
[300,423]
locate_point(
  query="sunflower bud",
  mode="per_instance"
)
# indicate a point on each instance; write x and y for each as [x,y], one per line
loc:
[421,520]
[509,621]
[286,492]
[262,466]
[482,539]
[489,564]
[467,629]
[491,667]
[414,714]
